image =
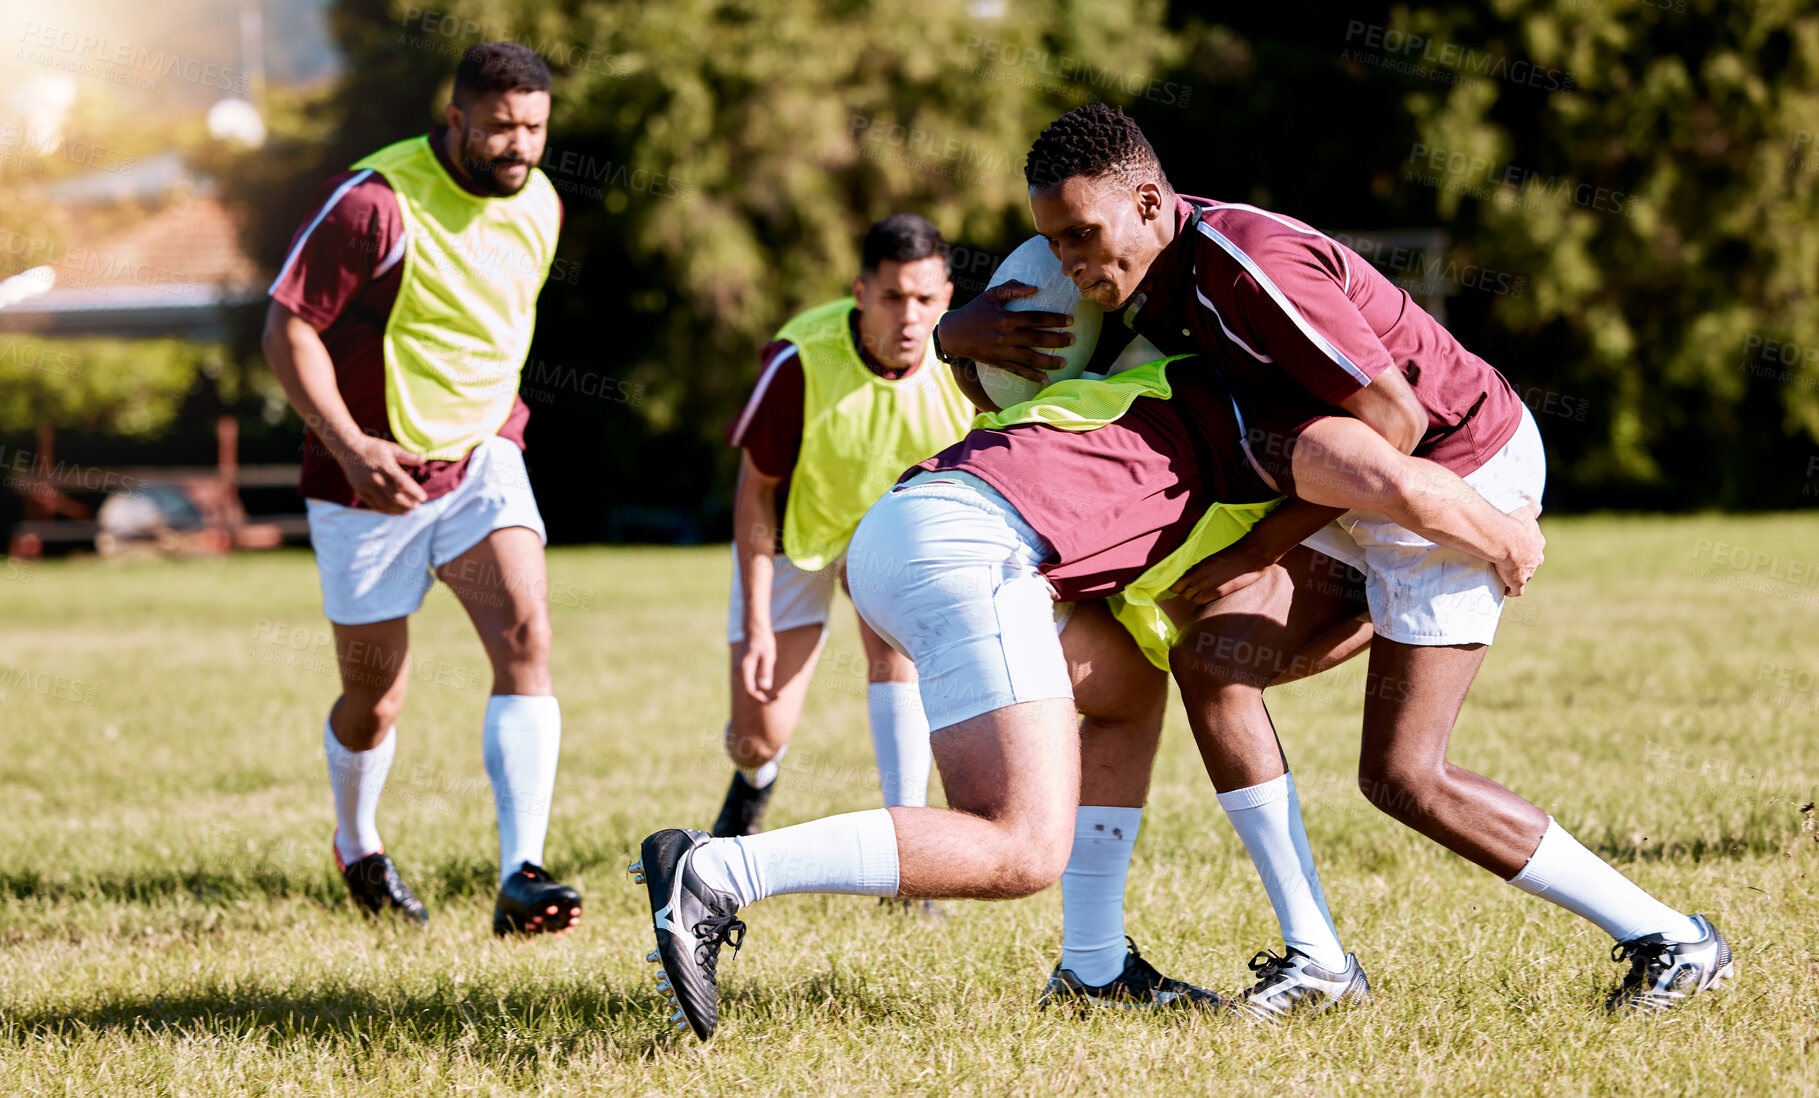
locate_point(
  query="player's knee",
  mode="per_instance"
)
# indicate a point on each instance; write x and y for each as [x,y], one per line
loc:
[748,749]
[1035,859]
[364,718]
[527,641]
[1395,788]
[1209,671]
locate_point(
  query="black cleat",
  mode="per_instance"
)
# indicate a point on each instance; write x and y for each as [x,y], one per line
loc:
[1138,986]
[1664,974]
[692,921]
[1294,984]
[743,811]
[376,886]
[533,902]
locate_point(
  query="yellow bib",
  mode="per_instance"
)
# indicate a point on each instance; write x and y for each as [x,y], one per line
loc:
[1086,404]
[859,432]
[458,335]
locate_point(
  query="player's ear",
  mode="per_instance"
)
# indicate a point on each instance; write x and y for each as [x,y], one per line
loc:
[1149,200]
[457,123]
[859,291]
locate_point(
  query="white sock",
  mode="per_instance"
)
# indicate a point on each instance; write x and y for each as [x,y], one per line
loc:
[760,776]
[522,740]
[855,853]
[1092,892]
[356,778]
[1267,818]
[900,740]
[1564,872]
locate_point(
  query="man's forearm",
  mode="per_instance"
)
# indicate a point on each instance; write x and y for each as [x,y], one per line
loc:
[302,365]
[755,538]
[1434,502]
[1284,528]
[1341,462]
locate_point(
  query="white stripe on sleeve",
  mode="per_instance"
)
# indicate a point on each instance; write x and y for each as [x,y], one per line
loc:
[1281,299]
[758,391]
[297,249]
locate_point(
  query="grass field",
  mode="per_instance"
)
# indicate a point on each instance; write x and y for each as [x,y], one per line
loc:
[172,922]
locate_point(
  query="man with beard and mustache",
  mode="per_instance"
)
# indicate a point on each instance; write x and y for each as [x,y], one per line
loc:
[398,326]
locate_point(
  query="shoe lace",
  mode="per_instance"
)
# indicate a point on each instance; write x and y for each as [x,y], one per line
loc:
[715,931]
[1649,957]
[1266,966]
[1146,974]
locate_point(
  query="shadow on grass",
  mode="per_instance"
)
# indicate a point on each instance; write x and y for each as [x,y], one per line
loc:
[516,1025]
[226,880]
[509,1022]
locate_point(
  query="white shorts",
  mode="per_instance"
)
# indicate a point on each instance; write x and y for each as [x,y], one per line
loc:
[945,570]
[1427,594]
[798,598]
[378,567]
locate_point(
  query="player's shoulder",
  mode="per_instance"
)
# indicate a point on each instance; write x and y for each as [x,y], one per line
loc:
[1252,227]
[1249,236]
[356,196]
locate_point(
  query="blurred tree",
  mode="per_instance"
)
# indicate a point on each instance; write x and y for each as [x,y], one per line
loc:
[1664,207]
[133,389]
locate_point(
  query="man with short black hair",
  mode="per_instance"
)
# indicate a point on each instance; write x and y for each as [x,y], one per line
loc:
[847,396]
[1326,358]
[398,326]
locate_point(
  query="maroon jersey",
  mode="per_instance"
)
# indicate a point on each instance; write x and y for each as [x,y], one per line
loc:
[769,427]
[1116,500]
[1296,322]
[341,276]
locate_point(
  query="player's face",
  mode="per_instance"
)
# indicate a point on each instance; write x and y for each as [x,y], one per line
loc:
[500,138]
[1105,233]
[899,304]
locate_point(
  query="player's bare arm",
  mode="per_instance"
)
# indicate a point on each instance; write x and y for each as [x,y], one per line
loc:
[374,467]
[1243,563]
[1346,463]
[1391,409]
[754,532]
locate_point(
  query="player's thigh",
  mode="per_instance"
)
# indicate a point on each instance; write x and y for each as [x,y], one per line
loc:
[773,722]
[1018,766]
[502,582]
[1113,680]
[1256,635]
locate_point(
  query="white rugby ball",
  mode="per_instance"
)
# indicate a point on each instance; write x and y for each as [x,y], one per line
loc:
[1033,264]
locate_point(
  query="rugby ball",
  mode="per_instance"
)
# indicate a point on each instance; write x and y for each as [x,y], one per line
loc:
[1033,264]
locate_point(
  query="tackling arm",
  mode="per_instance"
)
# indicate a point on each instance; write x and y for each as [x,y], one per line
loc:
[1341,462]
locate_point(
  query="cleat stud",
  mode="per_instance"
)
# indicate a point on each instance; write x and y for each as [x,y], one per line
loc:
[652,957]
[637,878]
[636,867]
[677,1017]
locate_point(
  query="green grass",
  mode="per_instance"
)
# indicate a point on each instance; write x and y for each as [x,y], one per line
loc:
[170,921]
